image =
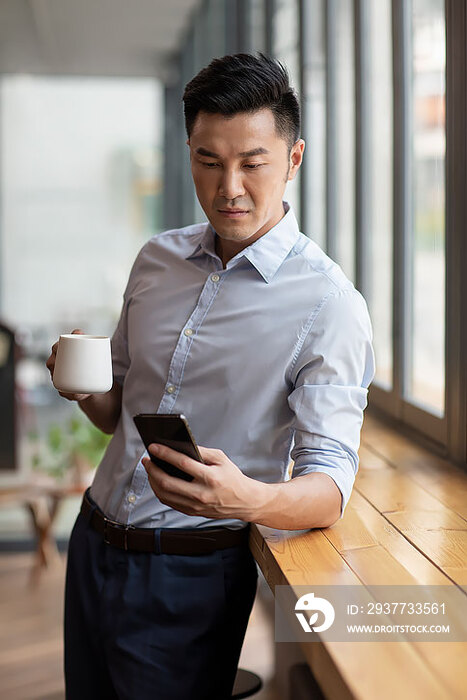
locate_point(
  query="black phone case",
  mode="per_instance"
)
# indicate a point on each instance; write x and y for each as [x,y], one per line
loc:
[171,430]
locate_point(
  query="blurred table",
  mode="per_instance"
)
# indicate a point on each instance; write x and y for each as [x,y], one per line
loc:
[42,500]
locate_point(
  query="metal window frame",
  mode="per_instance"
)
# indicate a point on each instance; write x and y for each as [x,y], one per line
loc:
[390,401]
[270,9]
[362,148]
[394,402]
[2,291]
[187,189]
[251,47]
[456,228]
[304,61]
[331,129]
[232,29]
[172,142]
[243,22]
[307,19]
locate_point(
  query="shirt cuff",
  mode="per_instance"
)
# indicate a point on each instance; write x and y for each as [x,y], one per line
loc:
[341,478]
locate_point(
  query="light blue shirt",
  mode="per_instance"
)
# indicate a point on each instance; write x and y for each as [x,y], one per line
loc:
[269,360]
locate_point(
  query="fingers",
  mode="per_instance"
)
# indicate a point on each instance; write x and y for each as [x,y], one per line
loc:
[160,480]
[211,455]
[74,397]
[50,364]
[76,331]
[178,459]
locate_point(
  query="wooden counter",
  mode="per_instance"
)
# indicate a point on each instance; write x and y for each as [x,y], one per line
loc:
[406,523]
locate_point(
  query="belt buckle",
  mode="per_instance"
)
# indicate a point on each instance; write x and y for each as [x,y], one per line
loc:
[120,526]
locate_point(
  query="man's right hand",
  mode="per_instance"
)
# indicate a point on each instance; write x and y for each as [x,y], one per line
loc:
[50,364]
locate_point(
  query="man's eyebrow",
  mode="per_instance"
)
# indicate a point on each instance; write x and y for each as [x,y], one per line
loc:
[255,152]
[204,152]
[245,154]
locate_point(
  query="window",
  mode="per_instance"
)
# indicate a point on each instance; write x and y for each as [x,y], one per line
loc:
[384,167]
[377,194]
[375,78]
[341,121]
[81,193]
[257,30]
[285,47]
[426,249]
[313,94]
[81,176]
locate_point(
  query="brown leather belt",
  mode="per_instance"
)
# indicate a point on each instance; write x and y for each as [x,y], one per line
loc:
[162,540]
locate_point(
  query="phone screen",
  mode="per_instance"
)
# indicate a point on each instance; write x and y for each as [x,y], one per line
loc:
[171,430]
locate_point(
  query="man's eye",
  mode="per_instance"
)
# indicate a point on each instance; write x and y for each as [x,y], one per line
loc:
[253,166]
[209,165]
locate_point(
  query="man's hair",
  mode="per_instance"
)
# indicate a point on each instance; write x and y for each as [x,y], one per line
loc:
[244,83]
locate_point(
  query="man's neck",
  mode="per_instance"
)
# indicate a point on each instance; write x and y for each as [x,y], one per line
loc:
[222,250]
[226,250]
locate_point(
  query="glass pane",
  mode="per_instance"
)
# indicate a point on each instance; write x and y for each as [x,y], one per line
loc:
[285,48]
[426,357]
[81,165]
[214,37]
[379,197]
[257,28]
[314,126]
[81,186]
[344,246]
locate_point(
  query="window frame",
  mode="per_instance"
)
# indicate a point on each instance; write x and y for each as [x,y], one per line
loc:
[393,402]
[456,228]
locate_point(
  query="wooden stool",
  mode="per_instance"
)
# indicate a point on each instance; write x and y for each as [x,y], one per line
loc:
[246,684]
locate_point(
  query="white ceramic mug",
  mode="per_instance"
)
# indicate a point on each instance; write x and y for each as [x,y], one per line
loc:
[83,364]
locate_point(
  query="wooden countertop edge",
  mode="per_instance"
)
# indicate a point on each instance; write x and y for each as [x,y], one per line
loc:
[316,653]
[345,670]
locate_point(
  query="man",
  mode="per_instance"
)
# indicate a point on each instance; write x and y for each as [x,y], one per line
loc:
[244,325]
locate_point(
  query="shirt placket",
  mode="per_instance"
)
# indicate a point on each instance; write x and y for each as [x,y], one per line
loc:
[174,381]
[185,341]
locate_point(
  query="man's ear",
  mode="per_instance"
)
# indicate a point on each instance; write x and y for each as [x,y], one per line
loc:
[295,158]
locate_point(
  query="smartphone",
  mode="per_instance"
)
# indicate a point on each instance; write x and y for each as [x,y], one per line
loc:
[172,430]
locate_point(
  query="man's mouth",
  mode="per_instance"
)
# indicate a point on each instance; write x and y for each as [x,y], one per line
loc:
[233,213]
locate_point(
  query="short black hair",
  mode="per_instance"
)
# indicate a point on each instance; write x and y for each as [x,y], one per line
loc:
[244,82]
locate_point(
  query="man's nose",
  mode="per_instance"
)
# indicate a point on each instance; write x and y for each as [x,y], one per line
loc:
[231,184]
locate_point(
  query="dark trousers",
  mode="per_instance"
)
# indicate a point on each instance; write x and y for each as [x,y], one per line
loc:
[142,626]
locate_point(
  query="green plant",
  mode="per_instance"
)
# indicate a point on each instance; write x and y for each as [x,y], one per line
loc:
[78,444]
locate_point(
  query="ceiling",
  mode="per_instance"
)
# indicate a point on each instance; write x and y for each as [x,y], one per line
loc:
[92,37]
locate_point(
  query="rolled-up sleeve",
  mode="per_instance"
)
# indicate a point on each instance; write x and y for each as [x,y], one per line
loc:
[119,345]
[331,375]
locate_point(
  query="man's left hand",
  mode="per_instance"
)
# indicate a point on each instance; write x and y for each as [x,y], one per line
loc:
[219,488]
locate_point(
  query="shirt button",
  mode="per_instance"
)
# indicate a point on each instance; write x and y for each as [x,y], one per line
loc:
[131,498]
[170,389]
[215,278]
[189,331]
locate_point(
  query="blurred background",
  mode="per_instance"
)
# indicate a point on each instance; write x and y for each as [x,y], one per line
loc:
[93,162]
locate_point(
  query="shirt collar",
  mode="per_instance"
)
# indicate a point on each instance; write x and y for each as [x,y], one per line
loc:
[266,254]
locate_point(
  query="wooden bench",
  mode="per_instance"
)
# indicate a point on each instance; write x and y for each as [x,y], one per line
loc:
[406,523]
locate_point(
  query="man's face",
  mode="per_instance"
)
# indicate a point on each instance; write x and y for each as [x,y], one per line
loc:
[240,167]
